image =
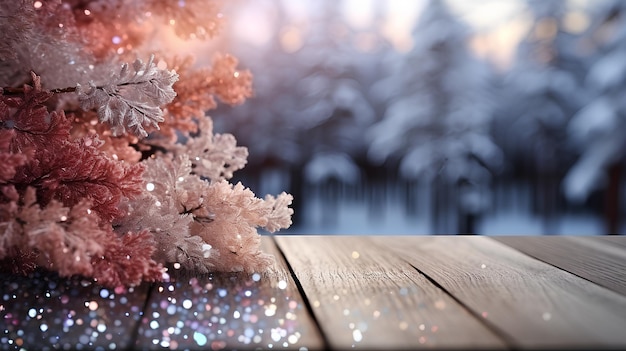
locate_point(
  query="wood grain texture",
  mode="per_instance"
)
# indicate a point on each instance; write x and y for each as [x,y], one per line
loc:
[536,304]
[594,258]
[229,311]
[309,335]
[363,296]
[613,240]
[43,311]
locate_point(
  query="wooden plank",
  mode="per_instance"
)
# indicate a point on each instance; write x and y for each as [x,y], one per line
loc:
[229,311]
[536,304]
[613,240]
[42,311]
[365,297]
[593,258]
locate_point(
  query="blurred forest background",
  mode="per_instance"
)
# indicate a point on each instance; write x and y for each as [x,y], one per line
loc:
[491,117]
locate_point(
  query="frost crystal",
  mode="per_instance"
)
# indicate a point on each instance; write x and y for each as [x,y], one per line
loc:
[132,99]
[213,156]
[90,184]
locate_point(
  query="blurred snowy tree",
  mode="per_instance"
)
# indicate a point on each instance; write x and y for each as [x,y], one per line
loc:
[539,96]
[269,111]
[436,126]
[333,106]
[599,128]
[309,90]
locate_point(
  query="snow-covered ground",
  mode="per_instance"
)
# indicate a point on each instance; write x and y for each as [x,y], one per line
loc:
[518,223]
[358,217]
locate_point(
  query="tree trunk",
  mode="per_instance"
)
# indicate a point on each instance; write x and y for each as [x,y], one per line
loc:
[296,187]
[612,197]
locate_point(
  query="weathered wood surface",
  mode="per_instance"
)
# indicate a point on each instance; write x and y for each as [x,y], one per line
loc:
[617,240]
[593,258]
[535,304]
[363,297]
[344,292]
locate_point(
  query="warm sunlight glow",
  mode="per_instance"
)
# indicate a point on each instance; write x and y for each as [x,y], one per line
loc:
[366,42]
[546,29]
[400,20]
[484,15]
[500,44]
[498,25]
[576,22]
[291,39]
[358,13]
[297,11]
[253,25]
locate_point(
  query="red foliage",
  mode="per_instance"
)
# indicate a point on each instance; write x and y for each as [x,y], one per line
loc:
[19,261]
[72,241]
[58,197]
[62,179]
[9,161]
[123,147]
[197,88]
[78,170]
[61,169]
[127,260]
[28,117]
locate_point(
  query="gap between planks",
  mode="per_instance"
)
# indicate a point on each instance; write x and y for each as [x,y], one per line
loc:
[601,260]
[538,305]
[367,297]
[216,311]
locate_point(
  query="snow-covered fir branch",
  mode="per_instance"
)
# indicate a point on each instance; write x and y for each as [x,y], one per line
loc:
[131,100]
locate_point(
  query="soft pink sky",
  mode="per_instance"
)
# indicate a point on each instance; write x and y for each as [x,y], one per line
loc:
[499,24]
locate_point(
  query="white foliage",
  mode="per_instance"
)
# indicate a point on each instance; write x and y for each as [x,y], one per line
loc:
[193,253]
[383,146]
[410,112]
[389,135]
[440,117]
[485,149]
[214,156]
[417,162]
[131,100]
[347,95]
[597,118]
[608,71]
[324,166]
[563,82]
[589,172]
[280,214]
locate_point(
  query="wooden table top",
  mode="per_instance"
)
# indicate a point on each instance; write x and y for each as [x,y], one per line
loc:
[347,292]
